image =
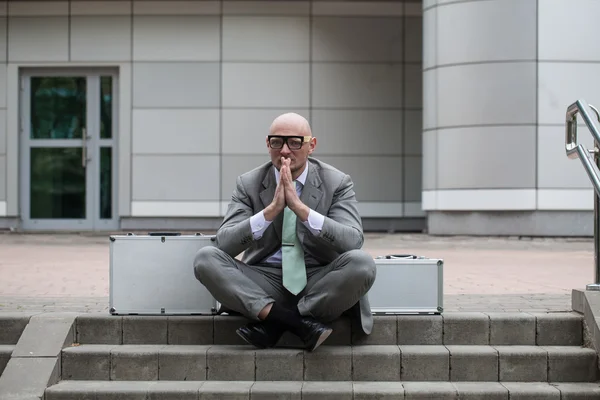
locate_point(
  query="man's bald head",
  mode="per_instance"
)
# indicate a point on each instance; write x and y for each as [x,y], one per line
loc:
[291,124]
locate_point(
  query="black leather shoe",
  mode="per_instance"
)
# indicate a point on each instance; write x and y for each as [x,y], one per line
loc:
[314,333]
[260,334]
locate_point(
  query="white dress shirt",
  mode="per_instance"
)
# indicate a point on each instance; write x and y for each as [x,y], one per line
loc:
[259,224]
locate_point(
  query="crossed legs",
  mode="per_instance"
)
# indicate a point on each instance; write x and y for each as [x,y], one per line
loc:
[257,291]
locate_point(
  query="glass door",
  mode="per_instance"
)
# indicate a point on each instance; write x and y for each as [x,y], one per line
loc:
[68,167]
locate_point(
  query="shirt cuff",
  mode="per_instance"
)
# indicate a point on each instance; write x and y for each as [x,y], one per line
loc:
[258,224]
[315,221]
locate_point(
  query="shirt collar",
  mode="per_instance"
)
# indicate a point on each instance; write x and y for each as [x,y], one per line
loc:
[301,178]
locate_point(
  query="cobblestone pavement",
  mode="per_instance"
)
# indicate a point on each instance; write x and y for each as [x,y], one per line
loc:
[67,272]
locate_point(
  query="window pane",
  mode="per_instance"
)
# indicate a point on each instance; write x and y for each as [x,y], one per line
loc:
[105,182]
[57,183]
[58,107]
[106,107]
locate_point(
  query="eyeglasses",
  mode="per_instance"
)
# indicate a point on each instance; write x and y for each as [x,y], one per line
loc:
[293,142]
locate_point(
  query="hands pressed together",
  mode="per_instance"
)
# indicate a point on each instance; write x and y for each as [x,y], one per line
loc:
[285,195]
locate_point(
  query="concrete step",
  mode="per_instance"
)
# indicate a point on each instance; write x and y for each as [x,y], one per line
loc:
[12,326]
[545,329]
[5,353]
[192,390]
[330,363]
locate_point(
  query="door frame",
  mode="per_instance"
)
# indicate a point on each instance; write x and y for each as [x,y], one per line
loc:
[92,222]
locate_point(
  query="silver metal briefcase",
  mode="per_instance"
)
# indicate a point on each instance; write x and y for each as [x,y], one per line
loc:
[153,274]
[407,284]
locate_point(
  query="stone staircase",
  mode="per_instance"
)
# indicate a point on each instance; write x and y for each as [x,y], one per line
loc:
[452,356]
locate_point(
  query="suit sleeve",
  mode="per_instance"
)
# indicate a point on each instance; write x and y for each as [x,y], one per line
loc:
[235,233]
[342,228]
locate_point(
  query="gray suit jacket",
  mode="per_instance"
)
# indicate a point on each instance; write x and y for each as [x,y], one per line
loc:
[327,191]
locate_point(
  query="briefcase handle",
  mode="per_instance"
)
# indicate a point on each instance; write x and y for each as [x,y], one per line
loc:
[164,233]
[404,256]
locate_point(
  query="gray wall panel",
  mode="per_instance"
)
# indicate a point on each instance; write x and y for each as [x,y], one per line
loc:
[3,188]
[413,86]
[375,178]
[266,38]
[486,31]
[176,131]
[3,133]
[503,93]
[369,39]
[358,132]
[430,38]
[413,39]
[413,172]
[413,133]
[176,85]
[266,85]
[182,178]
[38,39]
[176,38]
[430,99]
[100,38]
[357,85]
[486,158]
[430,160]
[235,165]
[557,40]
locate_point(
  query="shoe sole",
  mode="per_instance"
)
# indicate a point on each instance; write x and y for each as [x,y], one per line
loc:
[322,338]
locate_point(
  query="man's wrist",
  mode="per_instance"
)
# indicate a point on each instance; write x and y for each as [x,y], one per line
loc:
[301,210]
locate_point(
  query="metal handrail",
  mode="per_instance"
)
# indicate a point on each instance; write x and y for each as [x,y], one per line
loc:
[591,166]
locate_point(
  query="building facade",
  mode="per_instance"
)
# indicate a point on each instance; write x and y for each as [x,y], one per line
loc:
[448,115]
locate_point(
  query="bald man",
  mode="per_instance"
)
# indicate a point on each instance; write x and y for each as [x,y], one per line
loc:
[296,220]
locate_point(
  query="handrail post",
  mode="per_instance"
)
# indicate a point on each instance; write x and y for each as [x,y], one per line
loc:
[596,285]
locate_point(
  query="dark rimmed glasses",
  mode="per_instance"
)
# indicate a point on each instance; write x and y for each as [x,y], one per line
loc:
[293,142]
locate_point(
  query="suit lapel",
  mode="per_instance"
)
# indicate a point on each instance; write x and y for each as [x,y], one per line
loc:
[311,193]
[266,197]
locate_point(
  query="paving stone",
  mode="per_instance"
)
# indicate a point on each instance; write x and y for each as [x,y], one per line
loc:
[145,330]
[420,329]
[45,336]
[378,390]
[481,390]
[225,327]
[376,363]
[5,353]
[134,363]
[73,390]
[231,363]
[123,391]
[279,365]
[473,363]
[27,377]
[12,325]
[430,390]
[522,363]
[276,390]
[512,328]
[425,363]
[531,391]
[190,330]
[182,363]
[99,329]
[571,364]
[327,390]
[559,329]
[174,390]
[385,331]
[238,390]
[328,363]
[87,362]
[466,329]
[578,391]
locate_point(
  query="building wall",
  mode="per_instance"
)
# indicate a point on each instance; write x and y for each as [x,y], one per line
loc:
[201,82]
[498,78]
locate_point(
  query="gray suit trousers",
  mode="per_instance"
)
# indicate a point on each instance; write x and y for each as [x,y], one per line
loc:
[330,291]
